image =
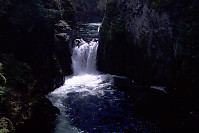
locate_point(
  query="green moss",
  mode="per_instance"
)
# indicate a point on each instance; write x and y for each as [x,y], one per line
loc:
[3,90]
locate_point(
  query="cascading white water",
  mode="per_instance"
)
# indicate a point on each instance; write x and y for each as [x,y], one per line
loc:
[84,79]
[84,57]
[88,101]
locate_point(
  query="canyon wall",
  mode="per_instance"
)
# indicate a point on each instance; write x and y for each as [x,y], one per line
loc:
[151,41]
[35,56]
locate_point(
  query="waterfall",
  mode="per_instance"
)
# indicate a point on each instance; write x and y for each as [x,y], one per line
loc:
[84,57]
[85,51]
[89,101]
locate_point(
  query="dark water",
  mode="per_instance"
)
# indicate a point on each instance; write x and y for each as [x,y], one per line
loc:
[91,103]
[108,112]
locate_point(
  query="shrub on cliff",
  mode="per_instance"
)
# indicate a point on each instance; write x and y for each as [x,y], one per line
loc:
[1,73]
[6,126]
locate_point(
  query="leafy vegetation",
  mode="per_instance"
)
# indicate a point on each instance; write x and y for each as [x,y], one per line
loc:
[1,73]
[6,125]
[3,79]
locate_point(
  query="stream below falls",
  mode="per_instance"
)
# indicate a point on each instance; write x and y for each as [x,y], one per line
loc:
[90,101]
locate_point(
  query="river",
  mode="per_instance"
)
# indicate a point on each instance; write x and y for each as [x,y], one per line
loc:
[90,101]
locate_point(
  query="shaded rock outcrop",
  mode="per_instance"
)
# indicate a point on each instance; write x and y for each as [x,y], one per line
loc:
[145,40]
[27,31]
[35,55]
[155,43]
[64,37]
[22,99]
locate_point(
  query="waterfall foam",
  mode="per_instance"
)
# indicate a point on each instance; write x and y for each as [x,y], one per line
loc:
[84,57]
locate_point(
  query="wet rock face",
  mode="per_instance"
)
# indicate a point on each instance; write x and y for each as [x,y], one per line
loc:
[152,34]
[64,37]
[138,39]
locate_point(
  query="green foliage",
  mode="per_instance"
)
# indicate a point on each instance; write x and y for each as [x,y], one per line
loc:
[6,125]
[4,130]
[1,74]
[4,79]
[3,90]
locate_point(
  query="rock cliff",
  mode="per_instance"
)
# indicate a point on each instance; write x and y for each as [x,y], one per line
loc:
[35,41]
[155,42]
[150,41]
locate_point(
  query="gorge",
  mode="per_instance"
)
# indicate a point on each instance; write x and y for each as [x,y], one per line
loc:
[89,100]
[99,66]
